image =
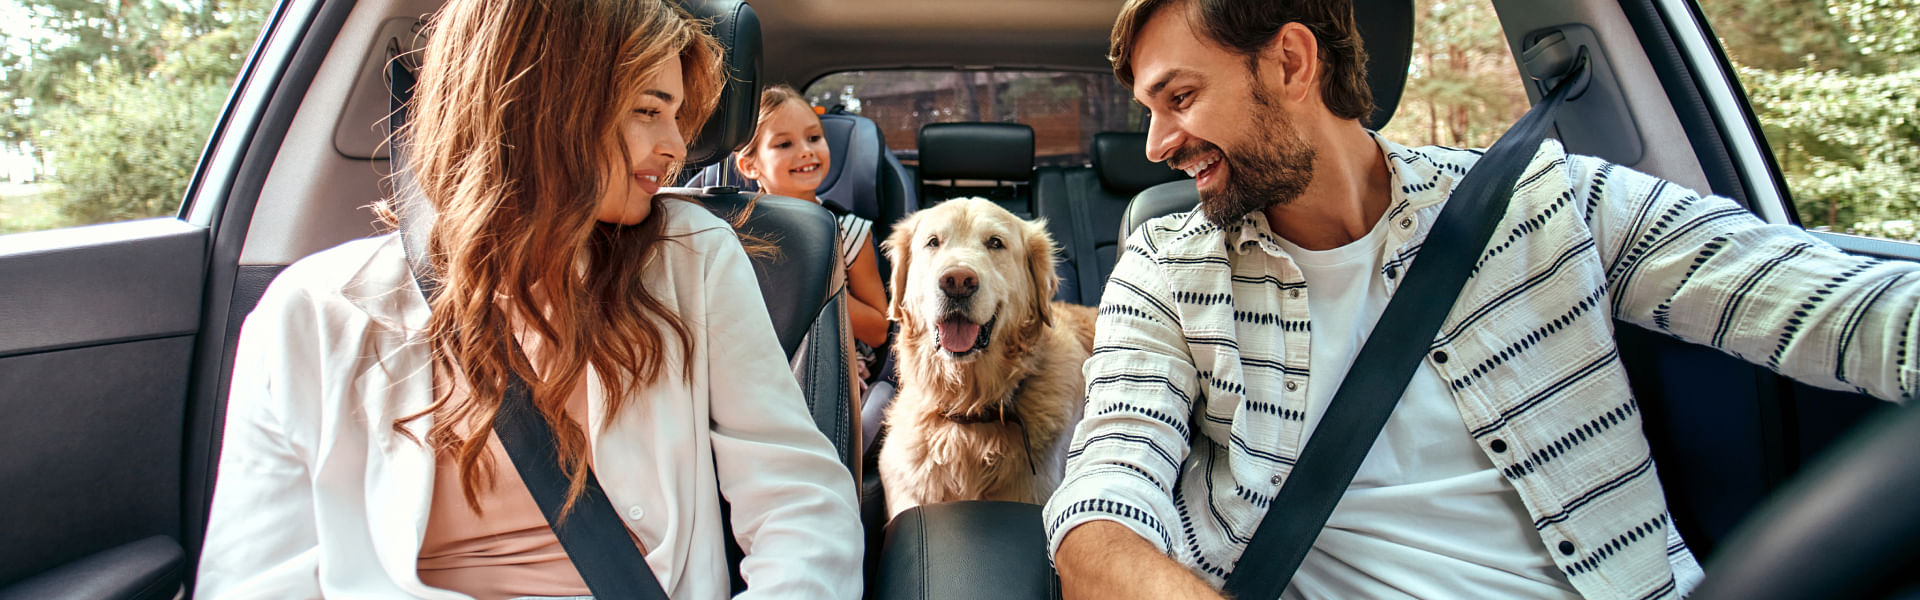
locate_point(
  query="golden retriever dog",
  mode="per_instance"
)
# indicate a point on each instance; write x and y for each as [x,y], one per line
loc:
[989,365]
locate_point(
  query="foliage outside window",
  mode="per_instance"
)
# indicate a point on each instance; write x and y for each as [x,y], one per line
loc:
[1836,87]
[106,106]
[1065,109]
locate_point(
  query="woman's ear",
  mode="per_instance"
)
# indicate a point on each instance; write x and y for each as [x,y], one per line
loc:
[743,161]
[899,247]
[1046,282]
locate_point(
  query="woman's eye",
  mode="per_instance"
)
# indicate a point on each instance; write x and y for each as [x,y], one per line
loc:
[814,139]
[649,113]
[783,145]
[994,243]
[933,242]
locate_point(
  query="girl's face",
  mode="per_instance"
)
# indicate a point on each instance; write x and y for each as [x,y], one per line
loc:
[650,132]
[790,156]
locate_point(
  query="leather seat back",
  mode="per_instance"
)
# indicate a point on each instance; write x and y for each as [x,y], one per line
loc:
[1084,206]
[1001,153]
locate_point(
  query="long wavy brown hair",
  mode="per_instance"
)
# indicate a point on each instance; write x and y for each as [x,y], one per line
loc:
[514,117]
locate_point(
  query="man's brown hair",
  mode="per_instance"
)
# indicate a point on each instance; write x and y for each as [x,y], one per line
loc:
[1245,26]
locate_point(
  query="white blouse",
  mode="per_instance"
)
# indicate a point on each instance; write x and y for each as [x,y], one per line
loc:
[319,496]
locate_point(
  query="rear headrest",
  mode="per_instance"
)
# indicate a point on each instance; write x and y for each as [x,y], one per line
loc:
[1386,31]
[738,30]
[1001,151]
[1120,159]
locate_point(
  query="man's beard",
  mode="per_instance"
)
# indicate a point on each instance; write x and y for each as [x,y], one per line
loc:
[1272,170]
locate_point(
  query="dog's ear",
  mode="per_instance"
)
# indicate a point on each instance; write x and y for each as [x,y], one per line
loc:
[1040,251]
[899,247]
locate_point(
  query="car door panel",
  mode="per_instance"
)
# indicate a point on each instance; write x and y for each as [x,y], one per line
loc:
[96,339]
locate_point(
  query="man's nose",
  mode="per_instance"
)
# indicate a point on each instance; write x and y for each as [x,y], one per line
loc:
[1163,138]
[959,282]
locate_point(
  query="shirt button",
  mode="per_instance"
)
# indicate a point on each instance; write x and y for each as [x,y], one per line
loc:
[1291,386]
[1293,293]
[1566,547]
[1498,446]
[1276,479]
[1393,272]
[1440,356]
[1406,222]
[635,512]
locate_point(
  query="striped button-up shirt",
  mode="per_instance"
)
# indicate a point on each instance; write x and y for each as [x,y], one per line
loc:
[1197,387]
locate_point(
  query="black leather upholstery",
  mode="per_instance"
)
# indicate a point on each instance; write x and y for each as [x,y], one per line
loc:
[966,550]
[149,569]
[796,283]
[1084,207]
[1120,160]
[998,151]
[738,29]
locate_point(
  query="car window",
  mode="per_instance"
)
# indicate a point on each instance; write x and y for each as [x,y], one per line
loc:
[107,106]
[1833,85]
[1462,88]
[1065,108]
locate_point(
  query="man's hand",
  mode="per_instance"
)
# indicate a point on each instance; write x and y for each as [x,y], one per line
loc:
[1104,559]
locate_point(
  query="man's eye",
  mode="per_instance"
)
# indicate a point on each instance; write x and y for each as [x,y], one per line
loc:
[933,241]
[1181,98]
[994,243]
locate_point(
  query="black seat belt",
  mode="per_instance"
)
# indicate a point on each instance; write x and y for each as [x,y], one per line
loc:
[596,540]
[1392,352]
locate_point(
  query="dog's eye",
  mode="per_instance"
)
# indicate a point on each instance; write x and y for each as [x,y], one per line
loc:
[933,241]
[994,243]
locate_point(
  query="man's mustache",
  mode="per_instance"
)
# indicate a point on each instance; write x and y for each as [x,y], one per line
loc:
[1189,154]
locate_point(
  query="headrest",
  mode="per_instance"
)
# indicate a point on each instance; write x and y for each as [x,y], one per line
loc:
[738,30]
[1001,151]
[1120,158]
[1386,31]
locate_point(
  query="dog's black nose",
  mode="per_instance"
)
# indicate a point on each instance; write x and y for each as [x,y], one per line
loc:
[959,282]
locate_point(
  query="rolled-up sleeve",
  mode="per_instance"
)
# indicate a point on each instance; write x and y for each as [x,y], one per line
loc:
[1127,451]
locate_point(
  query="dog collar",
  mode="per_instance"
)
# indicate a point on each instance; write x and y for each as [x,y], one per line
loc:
[999,414]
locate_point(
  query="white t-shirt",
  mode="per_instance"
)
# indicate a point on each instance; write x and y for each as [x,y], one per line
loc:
[1427,515]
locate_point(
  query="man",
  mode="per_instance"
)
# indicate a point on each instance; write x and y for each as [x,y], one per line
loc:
[1514,465]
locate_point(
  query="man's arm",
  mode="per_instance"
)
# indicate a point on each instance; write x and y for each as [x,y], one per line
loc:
[1705,270]
[1104,559]
[1127,451]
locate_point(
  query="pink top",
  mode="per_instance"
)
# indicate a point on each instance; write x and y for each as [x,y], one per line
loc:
[506,551]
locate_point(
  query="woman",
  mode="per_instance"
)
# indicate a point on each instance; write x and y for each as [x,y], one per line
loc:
[359,455]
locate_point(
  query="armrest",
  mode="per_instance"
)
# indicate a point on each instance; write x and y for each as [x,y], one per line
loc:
[149,569]
[966,550]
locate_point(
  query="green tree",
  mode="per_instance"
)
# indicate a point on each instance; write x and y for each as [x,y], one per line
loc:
[1461,85]
[119,97]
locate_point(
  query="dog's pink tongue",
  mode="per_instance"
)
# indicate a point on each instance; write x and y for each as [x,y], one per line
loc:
[958,335]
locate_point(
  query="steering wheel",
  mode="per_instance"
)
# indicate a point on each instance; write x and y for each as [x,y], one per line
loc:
[1838,529]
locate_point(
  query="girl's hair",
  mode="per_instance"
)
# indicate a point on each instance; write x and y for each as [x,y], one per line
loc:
[771,99]
[513,121]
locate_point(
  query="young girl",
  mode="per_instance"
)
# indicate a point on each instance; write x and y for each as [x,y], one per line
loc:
[360,459]
[788,157]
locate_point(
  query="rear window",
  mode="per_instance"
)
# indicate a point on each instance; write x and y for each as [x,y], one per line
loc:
[1064,108]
